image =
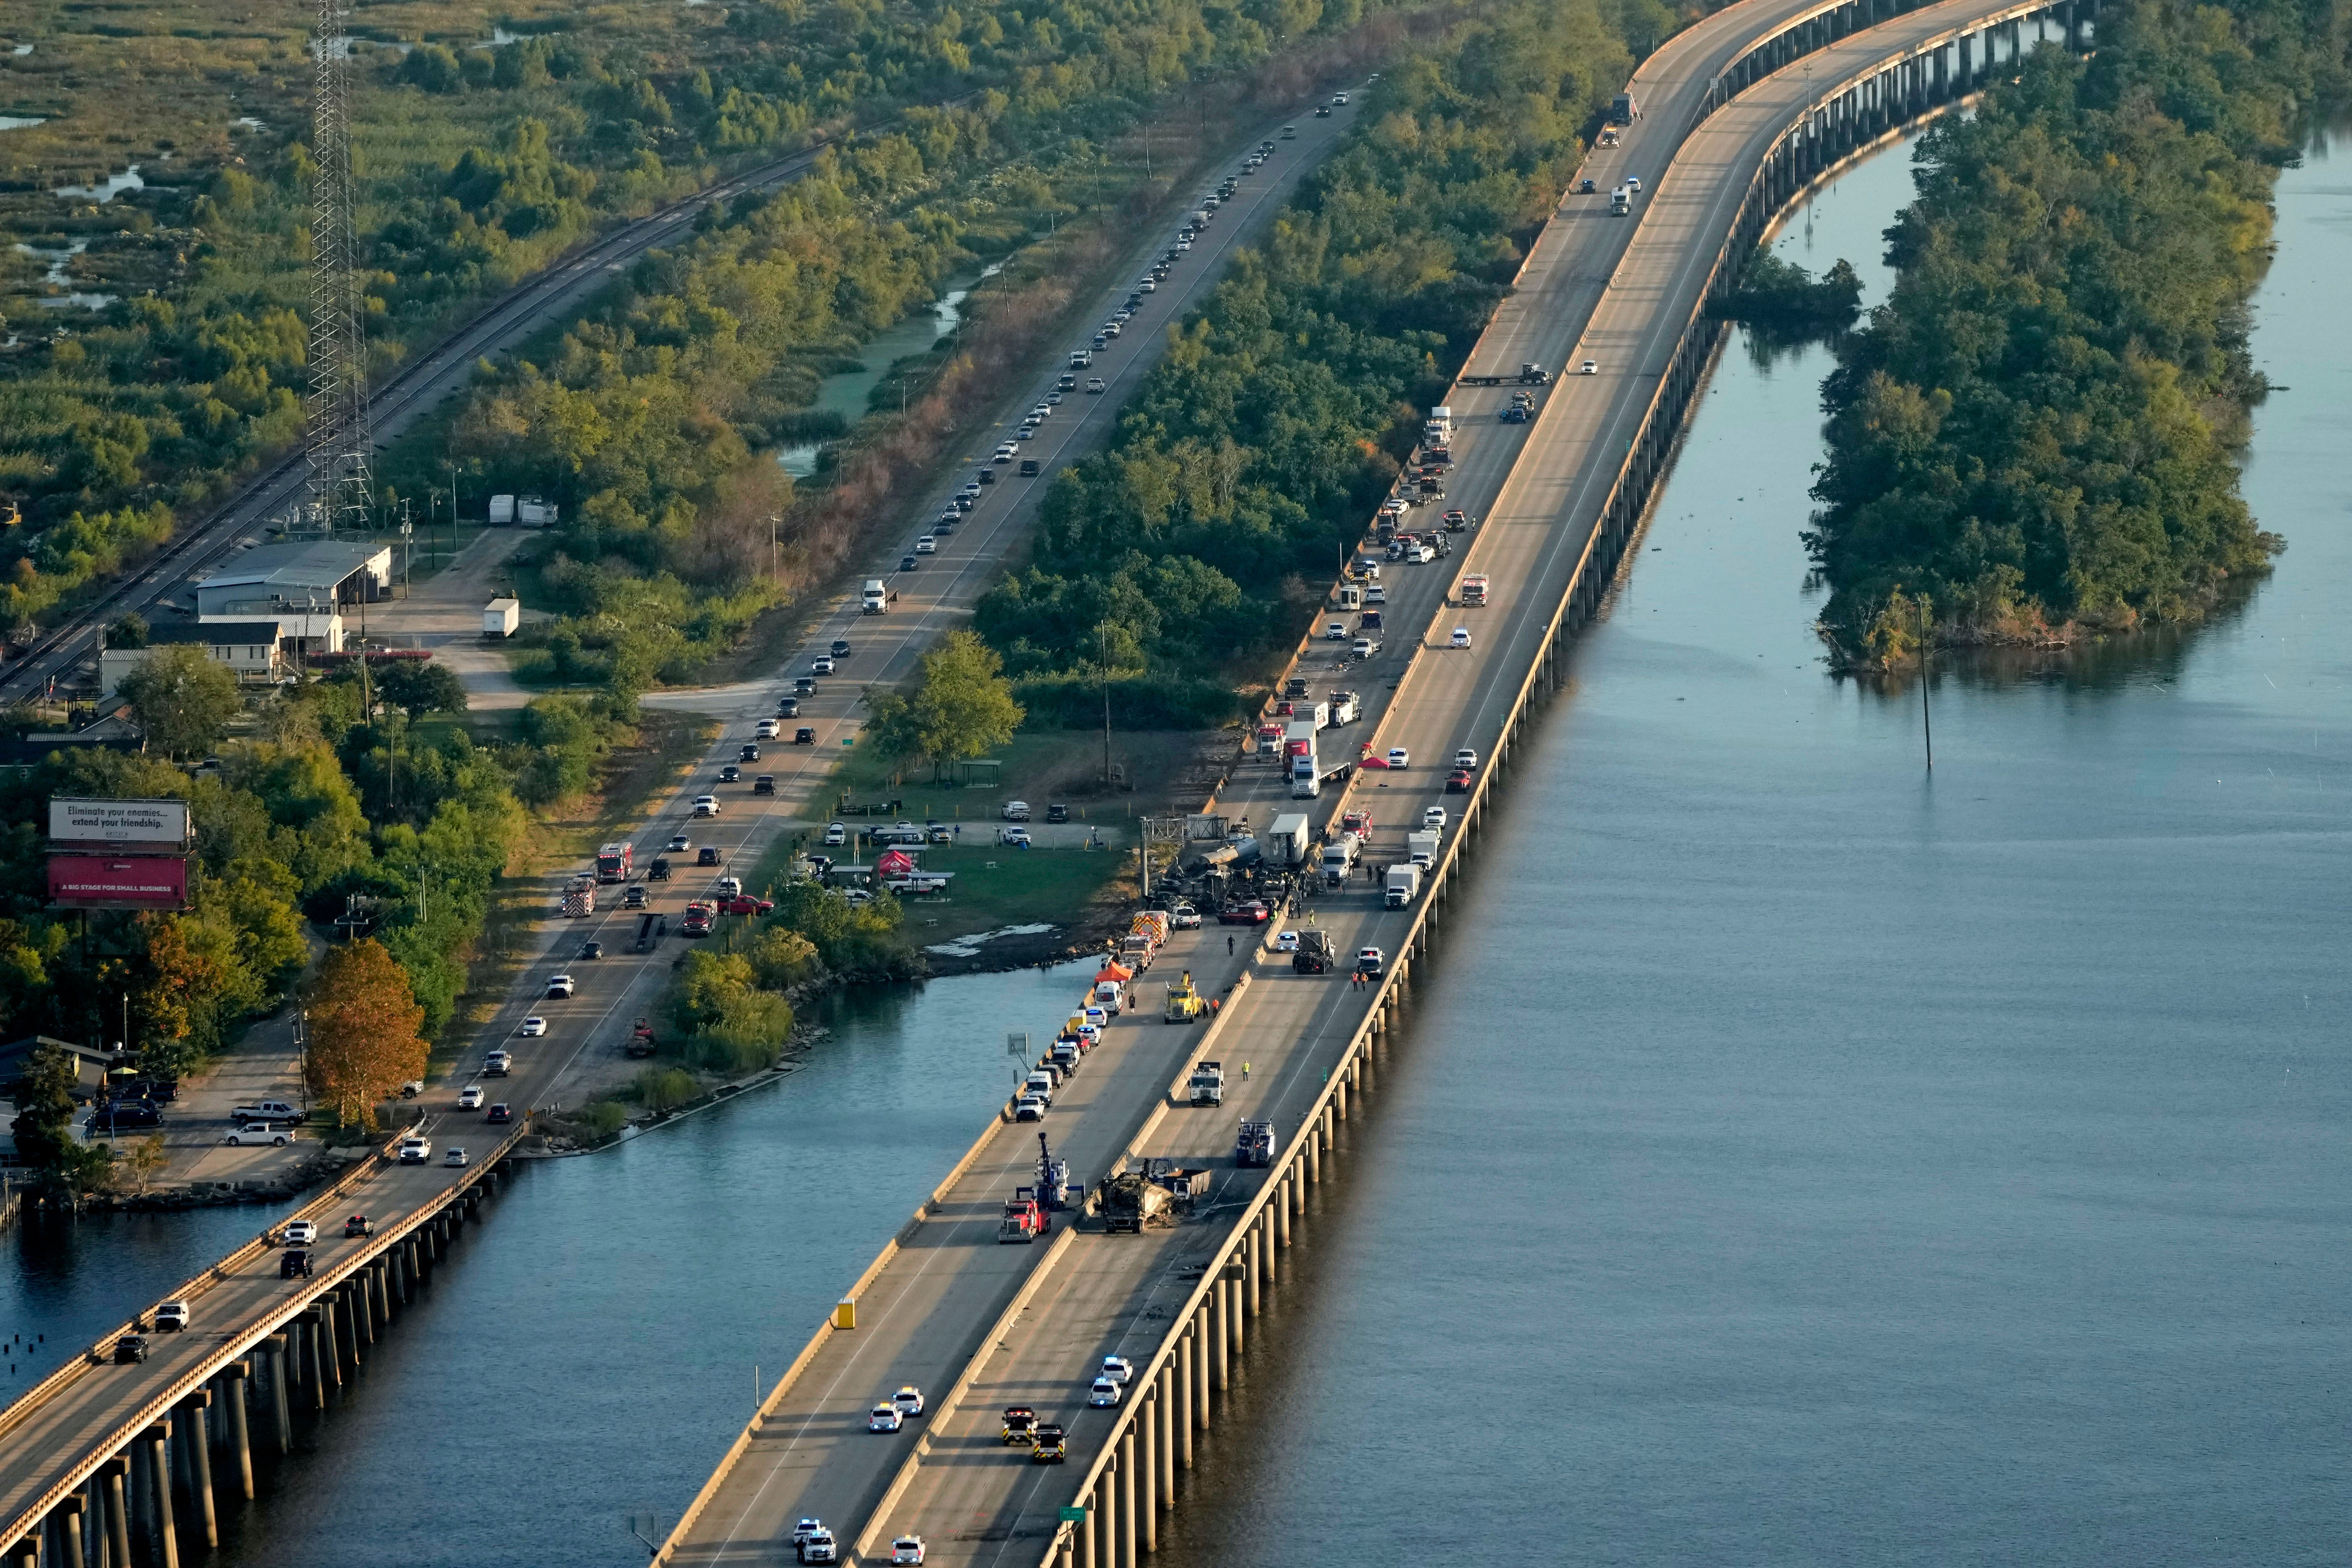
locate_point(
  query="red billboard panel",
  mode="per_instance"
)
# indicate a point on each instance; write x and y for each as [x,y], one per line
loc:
[119,881]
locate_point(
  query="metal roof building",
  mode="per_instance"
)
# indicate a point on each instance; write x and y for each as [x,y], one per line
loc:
[295,577]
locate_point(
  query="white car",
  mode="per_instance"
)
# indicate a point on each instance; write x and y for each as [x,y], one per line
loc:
[1029,1108]
[806,1527]
[908,1400]
[172,1317]
[883,1418]
[1017,838]
[821,665]
[532,1026]
[301,1233]
[1467,757]
[1370,958]
[907,1549]
[454,1158]
[1633,182]
[1104,1395]
[1338,101]
[498,1064]
[836,834]
[1286,943]
[1433,817]
[1376,594]
[1461,637]
[679,844]
[559,985]
[1336,631]
[1399,757]
[415,1151]
[1364,647]
[1118,1369]
[769,729]
[705,806]
[1016,811]
[470,1097]
[926,545]
[821,1547]
[1591,367]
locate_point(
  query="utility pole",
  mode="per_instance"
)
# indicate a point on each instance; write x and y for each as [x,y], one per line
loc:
[775,568]
[1926,725]
[1102,640]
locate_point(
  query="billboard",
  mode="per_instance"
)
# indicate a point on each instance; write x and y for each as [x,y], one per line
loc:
[119,881]
[112,822]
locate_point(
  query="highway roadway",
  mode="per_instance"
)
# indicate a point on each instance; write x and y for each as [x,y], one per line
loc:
[59,1430]
[1542,488]
[925,1309]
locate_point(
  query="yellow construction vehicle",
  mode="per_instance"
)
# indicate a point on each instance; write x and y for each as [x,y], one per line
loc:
[1184,1004]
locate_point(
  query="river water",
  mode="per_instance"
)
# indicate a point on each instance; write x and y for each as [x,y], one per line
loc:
[1798,1159]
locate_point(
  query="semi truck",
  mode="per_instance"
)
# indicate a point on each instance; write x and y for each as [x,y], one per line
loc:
[1621,202]
[614,862]
[1405,885]
[1624,110]
[1285,844]
[1314,956]
[875,600]
[1339,858]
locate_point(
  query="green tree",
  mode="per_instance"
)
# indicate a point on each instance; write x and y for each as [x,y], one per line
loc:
[961,705]
[182,699]
[44,1125]
[418,687]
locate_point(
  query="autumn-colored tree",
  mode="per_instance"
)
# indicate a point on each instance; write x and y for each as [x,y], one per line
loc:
[362,1020]
[172,997]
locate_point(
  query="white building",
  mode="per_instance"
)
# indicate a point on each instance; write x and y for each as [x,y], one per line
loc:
[301,586]
[251,648]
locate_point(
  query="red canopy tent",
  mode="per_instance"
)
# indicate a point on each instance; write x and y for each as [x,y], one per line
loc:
[894,863]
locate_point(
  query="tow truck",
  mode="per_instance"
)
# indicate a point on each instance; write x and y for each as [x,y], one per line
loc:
[1314,954]
[1184,1003]
[1253,1146]
[1529,374]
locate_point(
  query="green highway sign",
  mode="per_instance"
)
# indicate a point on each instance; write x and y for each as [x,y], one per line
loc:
[1073,1516]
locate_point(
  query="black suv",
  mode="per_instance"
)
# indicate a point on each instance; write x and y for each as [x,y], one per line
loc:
[658,871]
[764,784]
[840,648]
[706,855]
[1058,813]
[293,1264]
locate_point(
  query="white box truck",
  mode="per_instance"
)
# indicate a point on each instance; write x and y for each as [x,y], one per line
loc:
[503,512]
[1405,885]
[500,618]
[1284,843]
[532,512]
[1421,848]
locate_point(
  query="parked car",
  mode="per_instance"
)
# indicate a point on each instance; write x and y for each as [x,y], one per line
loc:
[883,1418]
[1370,958]
[1399,757]
[261,1132]
[1104,1395]
[1029,1108]
[907,1549]
[1118,1369]
[1249,912]
[836,834]
[908,1399]
[1016,811]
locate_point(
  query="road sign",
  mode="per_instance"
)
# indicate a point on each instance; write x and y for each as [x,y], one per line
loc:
[1165,829]
[1017,1044]
[1073,1515]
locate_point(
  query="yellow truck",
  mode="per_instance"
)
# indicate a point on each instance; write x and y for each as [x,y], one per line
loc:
[1184,1004]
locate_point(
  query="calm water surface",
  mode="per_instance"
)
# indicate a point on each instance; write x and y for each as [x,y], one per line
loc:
[1810,1161]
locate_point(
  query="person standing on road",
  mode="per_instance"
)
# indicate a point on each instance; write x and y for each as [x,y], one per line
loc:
[1229,947]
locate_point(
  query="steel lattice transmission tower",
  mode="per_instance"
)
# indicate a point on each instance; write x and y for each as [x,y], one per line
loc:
[336,428]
